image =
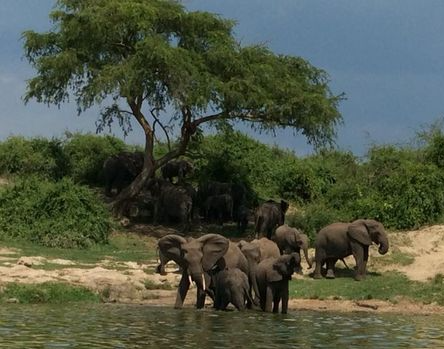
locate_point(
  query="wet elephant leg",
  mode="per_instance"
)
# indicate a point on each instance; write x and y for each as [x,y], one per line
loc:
[285,296]
[182,291]
[200,301]
[268,299]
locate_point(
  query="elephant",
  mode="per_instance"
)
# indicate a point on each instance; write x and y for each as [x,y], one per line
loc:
[219,207]
[174,203]
[290,240]
[231,286]
[268,216]
[339,240]
[272,278]
[242,217]
[256,251]
[120,170]
[176,168]
[200,260]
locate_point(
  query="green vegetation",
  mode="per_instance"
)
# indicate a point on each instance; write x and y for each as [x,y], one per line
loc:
[151,285]
[54,214]
[387,286]
[48,292]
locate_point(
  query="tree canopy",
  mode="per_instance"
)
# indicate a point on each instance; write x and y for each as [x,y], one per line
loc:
[156,63]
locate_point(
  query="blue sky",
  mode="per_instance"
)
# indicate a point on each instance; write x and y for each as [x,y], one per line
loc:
[386,55]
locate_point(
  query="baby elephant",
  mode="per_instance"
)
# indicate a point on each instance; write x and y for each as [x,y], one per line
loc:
[272,277]
[231,286]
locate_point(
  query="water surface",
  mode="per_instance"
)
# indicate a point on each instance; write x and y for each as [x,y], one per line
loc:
[131,326]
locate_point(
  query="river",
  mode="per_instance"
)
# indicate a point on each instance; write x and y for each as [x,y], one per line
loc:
[137,326]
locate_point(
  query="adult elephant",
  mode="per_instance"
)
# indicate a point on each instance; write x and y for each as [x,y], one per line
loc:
[256,251]
[290,239]
[231,286]
[268,216]
[174,203]
[272,278]
[339,240]
[176,168]
[199,260]
[219,208]
[120,170]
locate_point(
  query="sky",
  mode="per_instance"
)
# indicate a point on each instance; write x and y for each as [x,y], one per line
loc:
[387,56]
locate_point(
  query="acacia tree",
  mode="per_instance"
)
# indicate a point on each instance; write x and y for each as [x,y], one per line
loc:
[154,62]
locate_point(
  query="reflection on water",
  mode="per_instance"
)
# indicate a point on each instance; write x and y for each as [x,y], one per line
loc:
[122,326]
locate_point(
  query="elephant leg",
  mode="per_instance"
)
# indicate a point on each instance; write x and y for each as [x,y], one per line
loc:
[200,301]
[238,300]
[276,300]
[364,264]
[182,291]
[319,260]
[358,254]
[285,296]
[331,268]
[268,299]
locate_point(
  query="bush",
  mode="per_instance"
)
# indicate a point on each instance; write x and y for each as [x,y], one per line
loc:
[59,214]
[38,156]
[87,153]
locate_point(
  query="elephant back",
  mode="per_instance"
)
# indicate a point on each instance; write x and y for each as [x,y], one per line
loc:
[233,258]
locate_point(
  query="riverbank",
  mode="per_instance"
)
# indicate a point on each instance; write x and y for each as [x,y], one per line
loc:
[125,273]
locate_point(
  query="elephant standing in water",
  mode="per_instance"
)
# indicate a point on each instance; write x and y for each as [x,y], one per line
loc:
[339,240]
[231,286]
[291,240]
[199,260]
[272,277]
[268,216]
[120,170]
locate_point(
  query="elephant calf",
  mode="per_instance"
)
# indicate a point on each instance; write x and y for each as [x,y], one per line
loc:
[272,278]
[231,286]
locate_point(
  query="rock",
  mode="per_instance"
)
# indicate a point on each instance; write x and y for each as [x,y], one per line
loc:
[12,300]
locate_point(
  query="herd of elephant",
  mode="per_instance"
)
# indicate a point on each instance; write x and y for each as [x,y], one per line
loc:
[257,273]
[172,198]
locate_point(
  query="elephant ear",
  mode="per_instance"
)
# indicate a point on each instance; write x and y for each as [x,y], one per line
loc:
[251,251]
[170,245]
[281,269]
[357,230]
[214,246]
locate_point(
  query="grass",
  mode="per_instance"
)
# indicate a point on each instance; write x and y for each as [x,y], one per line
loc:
[48,292]
[397,257]
[150,285]
[122,247]
[387,286]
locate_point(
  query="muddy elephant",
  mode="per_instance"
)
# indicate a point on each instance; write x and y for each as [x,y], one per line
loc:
[290,240]
[176,168]
[231,286]
[272,278]
[200,259]
[256,251]
[120,170]
[219,208]
[268,216]
[339,240]
[174,203]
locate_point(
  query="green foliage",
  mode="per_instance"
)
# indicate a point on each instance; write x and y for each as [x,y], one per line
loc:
[59,214]
[87,153]
[39,156]
[47,292]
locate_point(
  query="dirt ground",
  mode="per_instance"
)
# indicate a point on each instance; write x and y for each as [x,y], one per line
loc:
[130,282]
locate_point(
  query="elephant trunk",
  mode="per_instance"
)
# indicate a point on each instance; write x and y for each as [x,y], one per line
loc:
[199,280]
[307,258]
[383,245]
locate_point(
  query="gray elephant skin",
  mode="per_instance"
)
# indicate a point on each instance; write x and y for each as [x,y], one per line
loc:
[256,251]
[231,286]
[219,208]
[199,260]
[272,277]
[176,168]
[173,203]
[268,216]
[339,240]
[120,170]
[290,239]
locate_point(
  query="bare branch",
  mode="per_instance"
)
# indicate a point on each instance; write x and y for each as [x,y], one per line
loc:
[157,121]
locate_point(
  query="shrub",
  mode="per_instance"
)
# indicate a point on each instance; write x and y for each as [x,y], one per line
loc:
[87,153]
[59,214]
[38,156]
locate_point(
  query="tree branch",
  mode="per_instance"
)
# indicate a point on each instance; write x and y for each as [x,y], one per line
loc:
[156,120]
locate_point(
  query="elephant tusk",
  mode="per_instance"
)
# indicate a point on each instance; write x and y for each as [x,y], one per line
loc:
[203,282]
[190,279]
